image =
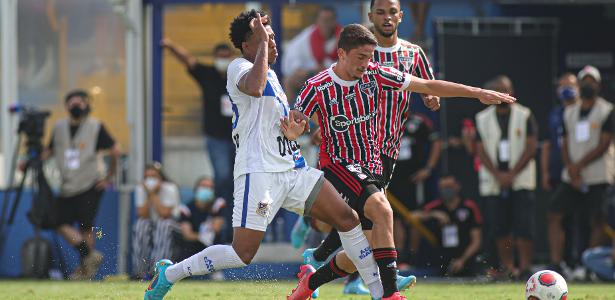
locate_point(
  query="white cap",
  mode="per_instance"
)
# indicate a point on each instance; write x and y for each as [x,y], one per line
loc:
[589,71]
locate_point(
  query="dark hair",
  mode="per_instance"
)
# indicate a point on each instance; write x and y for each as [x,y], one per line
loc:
[327,8]
[157,166]
[221,47]
[354,36]
[240,27]
[371,4]
[77,93]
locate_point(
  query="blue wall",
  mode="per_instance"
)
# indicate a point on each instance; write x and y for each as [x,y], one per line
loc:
[22,230]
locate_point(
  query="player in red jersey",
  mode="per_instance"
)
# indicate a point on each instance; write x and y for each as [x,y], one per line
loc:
[345,99]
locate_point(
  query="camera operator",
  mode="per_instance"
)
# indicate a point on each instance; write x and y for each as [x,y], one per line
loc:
[75,144]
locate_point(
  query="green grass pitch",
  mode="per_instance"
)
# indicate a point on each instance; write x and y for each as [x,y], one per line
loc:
[50,290]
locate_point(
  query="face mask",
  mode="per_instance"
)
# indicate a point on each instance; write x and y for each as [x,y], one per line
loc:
[448,194]
[588,91]
[76,112]
[221,64]
[204,194]
[567,93]
[151,182]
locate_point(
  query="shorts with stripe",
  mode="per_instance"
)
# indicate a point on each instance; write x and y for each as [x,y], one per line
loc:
[356,184]
[259,196]
[388,166]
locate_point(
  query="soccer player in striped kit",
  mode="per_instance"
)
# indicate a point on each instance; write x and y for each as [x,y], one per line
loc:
[394,109]
[345,101]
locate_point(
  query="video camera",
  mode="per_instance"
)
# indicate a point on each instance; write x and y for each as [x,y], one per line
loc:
[32,121]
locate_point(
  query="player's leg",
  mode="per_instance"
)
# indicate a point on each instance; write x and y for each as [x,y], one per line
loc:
[378,210]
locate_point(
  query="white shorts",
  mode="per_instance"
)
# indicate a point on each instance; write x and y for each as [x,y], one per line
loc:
[259,196]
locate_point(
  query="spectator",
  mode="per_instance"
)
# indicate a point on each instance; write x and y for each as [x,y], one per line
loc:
[507,137]
[75,145]
[312,50]
[414,165]
[459,223]
[601,260]
[201,220]
[551,164]
[589,166]
[217,114]
[419,11]
[157,200]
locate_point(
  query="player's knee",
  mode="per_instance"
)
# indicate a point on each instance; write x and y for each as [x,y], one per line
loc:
[378,210]
[245,254]
[347,220]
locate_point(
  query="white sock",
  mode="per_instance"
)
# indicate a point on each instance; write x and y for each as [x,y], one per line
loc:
[359,252]
[211,259]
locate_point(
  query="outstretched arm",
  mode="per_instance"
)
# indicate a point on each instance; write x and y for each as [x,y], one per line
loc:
[450,89]
[179,52]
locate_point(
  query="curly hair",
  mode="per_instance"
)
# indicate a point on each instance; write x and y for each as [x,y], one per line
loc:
[240,27]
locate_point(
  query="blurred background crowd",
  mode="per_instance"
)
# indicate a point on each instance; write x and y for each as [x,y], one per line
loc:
[477,191]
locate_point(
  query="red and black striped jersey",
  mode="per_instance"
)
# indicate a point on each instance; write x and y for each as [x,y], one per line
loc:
[347,113]
[395,105]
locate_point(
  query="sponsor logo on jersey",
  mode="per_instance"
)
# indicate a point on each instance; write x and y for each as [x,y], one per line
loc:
[347,98]
[389,64]
[371,72]
[321,88]
[404,58]
[341,123]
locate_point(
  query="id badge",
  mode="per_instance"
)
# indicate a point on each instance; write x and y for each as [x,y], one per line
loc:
[450,237]
[504,150]
[71,158]
[226,108]
[582,131]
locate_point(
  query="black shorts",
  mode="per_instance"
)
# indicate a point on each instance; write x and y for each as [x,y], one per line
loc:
[80,208]
[356,184]
[567,200]
[511,215]
[388,166]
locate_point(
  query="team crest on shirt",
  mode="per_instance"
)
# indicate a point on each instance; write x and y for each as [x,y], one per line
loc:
[263,209]
[462,214]
[368,88]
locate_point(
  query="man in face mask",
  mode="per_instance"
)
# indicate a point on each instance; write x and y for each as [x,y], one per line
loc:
[589,159]
[459,223]
[75,144]
[217,114]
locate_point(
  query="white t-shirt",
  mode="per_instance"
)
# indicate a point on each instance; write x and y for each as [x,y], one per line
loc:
[260,144]
[298,53]
[169,197]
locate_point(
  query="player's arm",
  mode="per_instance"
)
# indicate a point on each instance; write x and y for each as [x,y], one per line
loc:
[450,89]
[254,81]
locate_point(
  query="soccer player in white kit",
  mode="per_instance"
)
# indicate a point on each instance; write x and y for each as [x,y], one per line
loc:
[269,171]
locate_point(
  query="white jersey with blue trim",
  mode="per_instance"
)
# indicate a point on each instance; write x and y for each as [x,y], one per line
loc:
[259,142]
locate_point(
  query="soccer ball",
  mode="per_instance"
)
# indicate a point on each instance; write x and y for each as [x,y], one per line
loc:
[546,285]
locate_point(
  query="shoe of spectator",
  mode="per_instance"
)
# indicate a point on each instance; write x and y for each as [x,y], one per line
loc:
[91,263]
[297,236]
[355,287]
[78,273]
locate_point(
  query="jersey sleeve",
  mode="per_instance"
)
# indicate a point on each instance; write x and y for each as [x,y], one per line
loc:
[392,78]
[307,100]
[237,69]
[423,67]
